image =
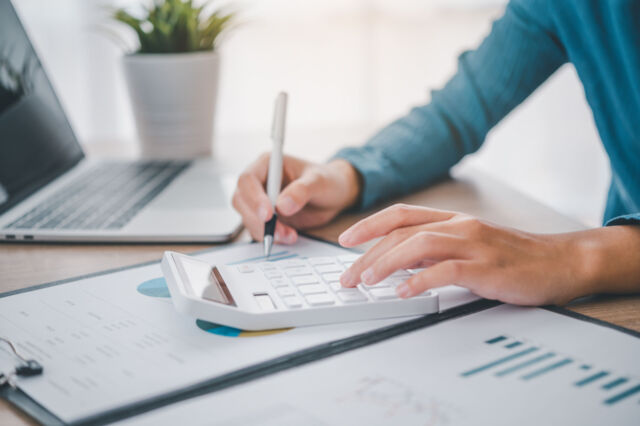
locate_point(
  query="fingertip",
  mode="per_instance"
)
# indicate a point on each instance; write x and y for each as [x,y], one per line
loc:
[286,205]
[404,291]
[368,277]
[345,278]
[346,238]
[285,234]
[291,236]
[256,236]
[265,212]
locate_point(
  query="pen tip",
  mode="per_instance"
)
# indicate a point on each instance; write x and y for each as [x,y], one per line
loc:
[268,242]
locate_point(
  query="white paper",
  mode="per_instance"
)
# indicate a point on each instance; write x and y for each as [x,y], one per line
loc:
[433,376]
[110,340]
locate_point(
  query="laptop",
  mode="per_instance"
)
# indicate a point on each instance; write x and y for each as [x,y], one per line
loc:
[49,191]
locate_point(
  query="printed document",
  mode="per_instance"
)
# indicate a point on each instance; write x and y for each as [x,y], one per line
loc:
[115,339]
[503,366]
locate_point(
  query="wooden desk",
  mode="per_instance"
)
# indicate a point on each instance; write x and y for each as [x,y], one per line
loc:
[24,265]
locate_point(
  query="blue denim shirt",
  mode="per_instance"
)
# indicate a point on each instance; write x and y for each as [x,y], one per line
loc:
[601,38]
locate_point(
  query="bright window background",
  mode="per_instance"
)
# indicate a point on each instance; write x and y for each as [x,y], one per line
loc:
[350,66]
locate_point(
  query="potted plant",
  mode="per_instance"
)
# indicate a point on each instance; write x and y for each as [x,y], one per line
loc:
[173,75]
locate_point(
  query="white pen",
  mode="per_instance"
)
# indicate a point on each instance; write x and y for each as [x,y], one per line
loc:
[274,179]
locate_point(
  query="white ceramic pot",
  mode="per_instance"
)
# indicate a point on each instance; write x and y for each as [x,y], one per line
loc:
[173,98]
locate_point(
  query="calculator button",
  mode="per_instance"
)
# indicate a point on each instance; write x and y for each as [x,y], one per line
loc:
[265,302]
[286,291]
[321,261]
[336,286]
[292,302]
[271,275]
[383,283]
[312,289]
[332,267]
[305,279]
[333,277]
[291,263]
[352,296]
[383,293]
[298,270]
[320,299]
[245,268]
[267,266]
[279,282]
[348,258]
[394,281]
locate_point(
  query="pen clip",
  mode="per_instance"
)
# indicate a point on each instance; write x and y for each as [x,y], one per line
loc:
[279,117]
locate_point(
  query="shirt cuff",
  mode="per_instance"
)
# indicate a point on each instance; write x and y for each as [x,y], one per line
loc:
[379,182]
[627,219]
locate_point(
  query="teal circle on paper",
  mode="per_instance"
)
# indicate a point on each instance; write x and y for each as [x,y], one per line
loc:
[156,287]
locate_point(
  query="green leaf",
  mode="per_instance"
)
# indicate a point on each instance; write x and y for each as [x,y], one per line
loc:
[172,26]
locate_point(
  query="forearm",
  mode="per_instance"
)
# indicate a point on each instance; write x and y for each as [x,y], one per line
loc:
[419,148]
[610,259]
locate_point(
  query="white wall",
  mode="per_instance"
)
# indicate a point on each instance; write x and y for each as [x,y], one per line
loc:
[350,66]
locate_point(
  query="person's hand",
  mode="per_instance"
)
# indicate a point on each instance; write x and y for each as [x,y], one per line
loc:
[312,195]
[494,262]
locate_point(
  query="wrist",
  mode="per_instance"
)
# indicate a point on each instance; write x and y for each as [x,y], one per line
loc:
[609,259]
[349,179]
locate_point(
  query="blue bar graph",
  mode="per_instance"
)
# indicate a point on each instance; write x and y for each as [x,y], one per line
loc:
[592,378]
[516,362]
[616,382]
[623,395]
[546,369]
[498,362]
[525,364]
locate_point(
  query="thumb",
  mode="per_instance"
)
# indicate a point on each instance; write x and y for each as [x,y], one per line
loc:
[298,193]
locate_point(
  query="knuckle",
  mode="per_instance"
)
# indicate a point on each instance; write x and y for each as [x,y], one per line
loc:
[424,237]
[474,225]
[455,270]
[315,175]
[397,234]
[401,209]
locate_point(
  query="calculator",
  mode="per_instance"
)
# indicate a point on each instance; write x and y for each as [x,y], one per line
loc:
[284,293]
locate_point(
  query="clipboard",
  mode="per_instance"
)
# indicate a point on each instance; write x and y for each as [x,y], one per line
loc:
[297,358]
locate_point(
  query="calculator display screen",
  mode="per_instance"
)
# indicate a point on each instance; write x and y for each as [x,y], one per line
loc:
[204,281]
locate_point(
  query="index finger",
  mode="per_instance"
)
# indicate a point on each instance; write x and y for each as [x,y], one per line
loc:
[260,167]
[385,221]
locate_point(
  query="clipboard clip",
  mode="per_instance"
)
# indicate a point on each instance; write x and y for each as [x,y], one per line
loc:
[24,368]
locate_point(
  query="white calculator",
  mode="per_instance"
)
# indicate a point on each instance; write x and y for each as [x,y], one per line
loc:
[285,293]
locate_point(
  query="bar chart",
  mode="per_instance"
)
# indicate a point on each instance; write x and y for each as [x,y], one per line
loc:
[528,362]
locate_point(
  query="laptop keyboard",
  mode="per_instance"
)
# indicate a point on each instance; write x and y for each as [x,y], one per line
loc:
[107,196]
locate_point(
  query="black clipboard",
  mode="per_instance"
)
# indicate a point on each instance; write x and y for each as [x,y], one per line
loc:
[31,407]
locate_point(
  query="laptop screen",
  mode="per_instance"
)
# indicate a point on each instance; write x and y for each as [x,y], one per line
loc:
[36,141]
